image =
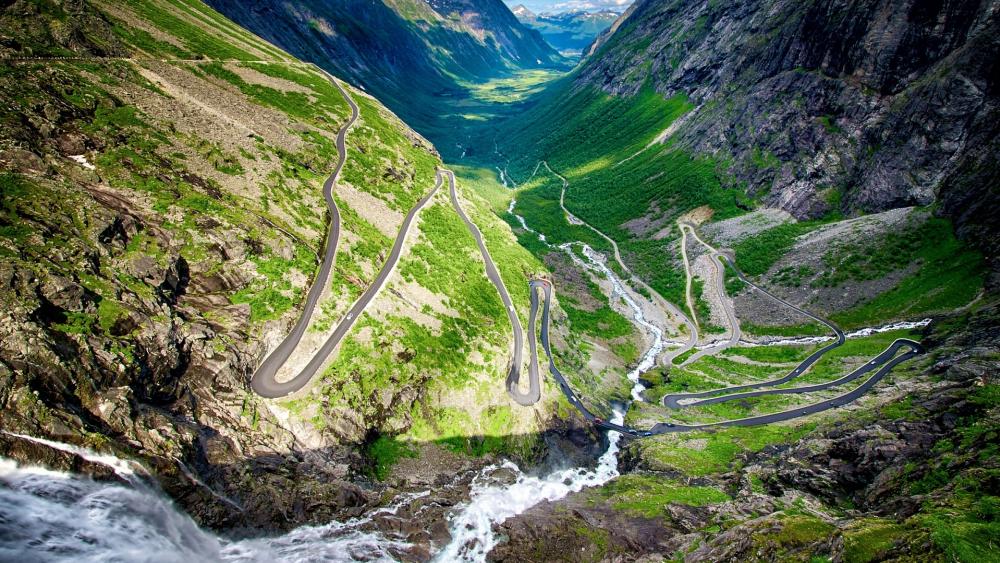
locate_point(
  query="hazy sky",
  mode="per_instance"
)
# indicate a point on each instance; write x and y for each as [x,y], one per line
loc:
[539,6]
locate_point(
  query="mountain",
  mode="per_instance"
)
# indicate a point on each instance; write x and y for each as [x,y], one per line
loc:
[806,112]
[522,13]
[569,32]
[727,290]
[414,55]
[161,218]
[844,155]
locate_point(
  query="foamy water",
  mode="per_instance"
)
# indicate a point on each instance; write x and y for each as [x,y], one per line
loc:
[471,526]
[490,504]
[55,516]
[860,333]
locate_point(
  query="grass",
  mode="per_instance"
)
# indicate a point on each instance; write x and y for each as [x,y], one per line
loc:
[538,203]
[756,254]
[603,322]
[324,106]
[271,294]
[599,143]
[647,496]
[514,88]
[774,354]
[583,125]
[871,539]
[383,453]
[796,531]
[197,40]
[713,452]
[949,275]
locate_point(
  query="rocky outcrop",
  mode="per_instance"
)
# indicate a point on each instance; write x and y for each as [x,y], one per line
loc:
[871,483]
[846,105]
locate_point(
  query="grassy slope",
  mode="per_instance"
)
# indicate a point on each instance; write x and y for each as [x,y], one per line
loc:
[586,136]
[192,181]
[946,274]
[583,324]
[598,142]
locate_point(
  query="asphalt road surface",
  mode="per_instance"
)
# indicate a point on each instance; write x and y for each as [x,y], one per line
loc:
[673,401]
[514,375]
[914,349]
[720,287]
[263,381]
[268,386]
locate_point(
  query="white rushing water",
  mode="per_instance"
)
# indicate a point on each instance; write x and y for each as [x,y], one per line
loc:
[122,468]
[54,516]
[861,332]
[598,262]
[524,224]
[490,503]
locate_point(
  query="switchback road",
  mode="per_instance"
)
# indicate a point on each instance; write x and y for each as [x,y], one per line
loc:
[673,401]
[720,288]
[514,375]
[263,380]
[266,385]
[887,359]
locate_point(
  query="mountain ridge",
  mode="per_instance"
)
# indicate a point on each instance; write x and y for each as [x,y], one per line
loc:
[411,54]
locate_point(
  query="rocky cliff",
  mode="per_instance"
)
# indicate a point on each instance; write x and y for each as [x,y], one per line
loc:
[909,475]
[826,105]
[161,216]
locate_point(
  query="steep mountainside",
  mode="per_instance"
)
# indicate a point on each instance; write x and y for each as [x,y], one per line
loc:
[161,216]
[706,195]
[823,113]
[849,106]
[522,12]
[413,55]
[837,151]
[569,32]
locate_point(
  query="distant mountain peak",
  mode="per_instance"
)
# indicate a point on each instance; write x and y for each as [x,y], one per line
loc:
[522,12]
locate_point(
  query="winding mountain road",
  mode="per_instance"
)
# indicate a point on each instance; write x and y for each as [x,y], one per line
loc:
[720,287]
[534,392]
[888,359]
[263,381]
[673,400]
[656,297]
[267,386]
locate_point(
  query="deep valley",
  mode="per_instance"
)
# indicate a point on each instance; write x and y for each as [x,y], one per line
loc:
[456,281]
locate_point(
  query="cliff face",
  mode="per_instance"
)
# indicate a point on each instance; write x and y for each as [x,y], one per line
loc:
[493,19]
[413,55]
[161,212]
[856,105]
[908,476]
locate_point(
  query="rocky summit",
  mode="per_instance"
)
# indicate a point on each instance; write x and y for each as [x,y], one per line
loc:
[395,280]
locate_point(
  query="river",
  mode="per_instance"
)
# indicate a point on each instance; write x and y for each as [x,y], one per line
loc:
[54,516]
